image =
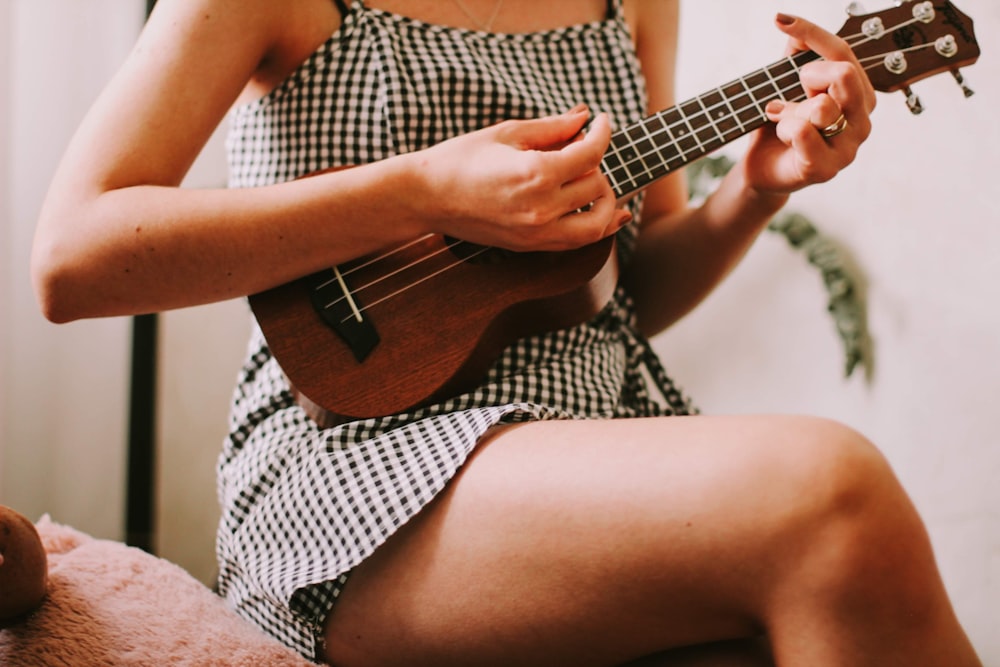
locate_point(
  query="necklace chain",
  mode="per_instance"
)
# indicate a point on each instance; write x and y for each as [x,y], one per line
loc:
[487,25]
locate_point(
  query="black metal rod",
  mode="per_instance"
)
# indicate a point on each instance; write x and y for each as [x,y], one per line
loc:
[140,481]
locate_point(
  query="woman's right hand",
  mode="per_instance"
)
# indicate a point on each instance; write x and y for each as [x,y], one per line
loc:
[523,184]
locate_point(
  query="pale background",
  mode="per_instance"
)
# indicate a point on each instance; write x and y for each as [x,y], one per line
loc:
[917,212]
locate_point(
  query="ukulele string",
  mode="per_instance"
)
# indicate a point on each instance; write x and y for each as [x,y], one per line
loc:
[385,276]
[390,274]
[398,270]
[668,129]
[425,278]
[854,41]
[386,255]
[881,57]
[886,31]
[339,275]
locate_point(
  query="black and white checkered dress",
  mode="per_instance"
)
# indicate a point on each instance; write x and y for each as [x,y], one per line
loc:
[301,505]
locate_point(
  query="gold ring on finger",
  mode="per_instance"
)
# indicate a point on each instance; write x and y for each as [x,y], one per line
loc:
[834,128]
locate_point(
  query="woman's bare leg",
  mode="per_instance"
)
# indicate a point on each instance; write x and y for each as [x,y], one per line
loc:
[600,542]
[752,652]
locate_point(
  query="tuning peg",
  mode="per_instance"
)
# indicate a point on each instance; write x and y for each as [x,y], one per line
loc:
[960,80]
[856,9]
[913,102]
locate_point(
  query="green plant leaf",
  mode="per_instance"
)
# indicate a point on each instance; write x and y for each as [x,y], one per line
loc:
[840,276]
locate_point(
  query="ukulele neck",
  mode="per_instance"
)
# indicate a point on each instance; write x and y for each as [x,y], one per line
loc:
[670,139]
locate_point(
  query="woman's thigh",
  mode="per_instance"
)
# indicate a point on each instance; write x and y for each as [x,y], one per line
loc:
[597,542]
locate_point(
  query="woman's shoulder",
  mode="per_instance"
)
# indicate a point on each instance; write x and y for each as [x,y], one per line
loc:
[271,38]
[294,30]
[651,19]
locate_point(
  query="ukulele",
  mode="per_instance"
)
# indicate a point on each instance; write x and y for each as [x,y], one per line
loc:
[423,321]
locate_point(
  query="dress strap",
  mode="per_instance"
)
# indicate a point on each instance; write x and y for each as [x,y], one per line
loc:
[342,7]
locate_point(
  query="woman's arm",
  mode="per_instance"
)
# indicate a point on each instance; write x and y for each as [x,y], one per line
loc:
[118,236]
[684,252]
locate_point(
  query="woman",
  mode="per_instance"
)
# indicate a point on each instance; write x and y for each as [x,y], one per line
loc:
[515,524]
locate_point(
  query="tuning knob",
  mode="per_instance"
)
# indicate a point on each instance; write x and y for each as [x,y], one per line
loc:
[960,80]
[856,9]
[913,102]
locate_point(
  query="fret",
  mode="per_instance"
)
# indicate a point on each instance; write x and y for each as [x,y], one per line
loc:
[749,114]
[789,88]
[685,117]
[760,88]
[659,166]
[681,148]
[725,115]
[640,141]
[626,153]
[645,151]
[706,132]
[685,141]
[641,159]
[785,79]
[764,88]
[612,167]
[777,89]
[622,162]
[711,121]
[796,83]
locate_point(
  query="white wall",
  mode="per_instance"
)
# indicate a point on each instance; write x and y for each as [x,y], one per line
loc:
[62,438]
[64,390]
[916,211]
[6,256]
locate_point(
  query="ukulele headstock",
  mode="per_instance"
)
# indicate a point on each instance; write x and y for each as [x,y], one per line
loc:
[911,41]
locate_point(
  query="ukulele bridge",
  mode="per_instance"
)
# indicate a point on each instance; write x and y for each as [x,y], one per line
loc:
[338,306]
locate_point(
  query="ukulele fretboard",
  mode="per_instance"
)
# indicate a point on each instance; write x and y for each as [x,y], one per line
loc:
[670,139]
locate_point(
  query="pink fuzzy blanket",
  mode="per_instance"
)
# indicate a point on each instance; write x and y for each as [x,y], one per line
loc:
[113,605]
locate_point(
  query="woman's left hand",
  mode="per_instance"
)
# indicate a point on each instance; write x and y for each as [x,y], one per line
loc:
[811,141]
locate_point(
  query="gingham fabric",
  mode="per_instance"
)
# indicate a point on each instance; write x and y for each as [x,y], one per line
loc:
[301,505]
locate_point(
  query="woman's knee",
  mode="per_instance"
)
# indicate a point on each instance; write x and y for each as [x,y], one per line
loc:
[852,524]
[840,471]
